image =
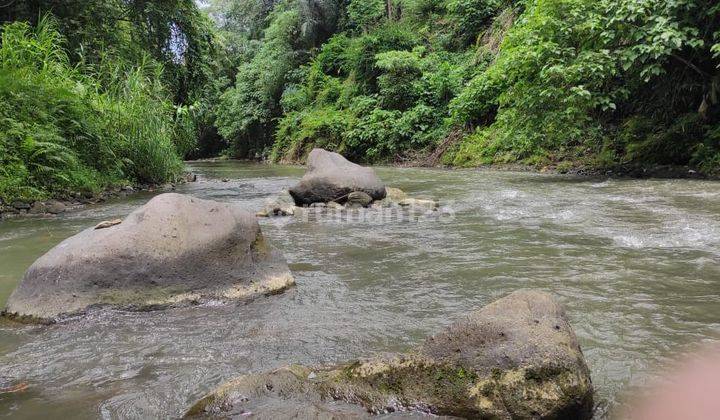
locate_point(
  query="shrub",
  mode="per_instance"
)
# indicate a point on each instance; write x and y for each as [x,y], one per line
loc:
[422,10]
[471,17]
[332,58]
[136,109]
[62,130]
[568,66]
[399,69]
[384,134]
[299,132]
[444,76]
[363,51]
[364,14]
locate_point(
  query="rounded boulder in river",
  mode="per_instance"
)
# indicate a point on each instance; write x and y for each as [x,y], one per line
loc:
[175,249]
[331,177]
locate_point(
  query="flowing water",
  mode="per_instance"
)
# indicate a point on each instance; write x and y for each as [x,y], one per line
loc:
[636,264]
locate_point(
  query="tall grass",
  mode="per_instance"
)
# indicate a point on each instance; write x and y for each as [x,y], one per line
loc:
[134,107]
[66,128]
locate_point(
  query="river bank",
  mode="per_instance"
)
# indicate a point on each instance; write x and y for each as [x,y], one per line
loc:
[629,171]
[626,171]
[79,200]
[618,171]
[76,201]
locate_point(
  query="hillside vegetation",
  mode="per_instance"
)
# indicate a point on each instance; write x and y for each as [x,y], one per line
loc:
[538,81]
[95,93]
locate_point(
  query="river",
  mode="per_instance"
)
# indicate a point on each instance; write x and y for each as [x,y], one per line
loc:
[636,264]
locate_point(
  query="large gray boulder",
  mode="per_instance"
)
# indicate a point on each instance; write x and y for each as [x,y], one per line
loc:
[516,358]
[174,249]
[331,177]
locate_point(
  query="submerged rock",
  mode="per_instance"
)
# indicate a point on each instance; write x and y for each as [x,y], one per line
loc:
[358,199]
[421,203]
[395,194]
[393,197]
[55,207]
[515,358]
[331,177]
[280,205]
[38,207]
[174,249]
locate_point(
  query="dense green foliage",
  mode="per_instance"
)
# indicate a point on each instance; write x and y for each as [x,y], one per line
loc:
[539,81]
[248,110]
[172,32]
[63,130]
[613,80]
[94,93]
[109,91]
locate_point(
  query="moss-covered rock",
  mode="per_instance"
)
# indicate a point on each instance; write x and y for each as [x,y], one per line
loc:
[395,194]
[281,205]
[358,199]
[515,358]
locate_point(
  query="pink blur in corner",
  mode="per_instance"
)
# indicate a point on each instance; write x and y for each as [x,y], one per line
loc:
[690,391]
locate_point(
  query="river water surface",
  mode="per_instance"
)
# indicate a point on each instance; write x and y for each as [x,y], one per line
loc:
[636,264]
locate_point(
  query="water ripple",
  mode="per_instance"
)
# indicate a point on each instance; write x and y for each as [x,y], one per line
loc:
[636,264]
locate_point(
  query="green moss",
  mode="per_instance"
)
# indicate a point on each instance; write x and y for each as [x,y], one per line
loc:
[259,246]
[406,382]
[12,319]
[200,407]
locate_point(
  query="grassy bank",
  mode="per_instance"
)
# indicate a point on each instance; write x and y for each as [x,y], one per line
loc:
[78,127]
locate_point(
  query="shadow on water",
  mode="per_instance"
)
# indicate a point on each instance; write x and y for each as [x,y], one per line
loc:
[634,262]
